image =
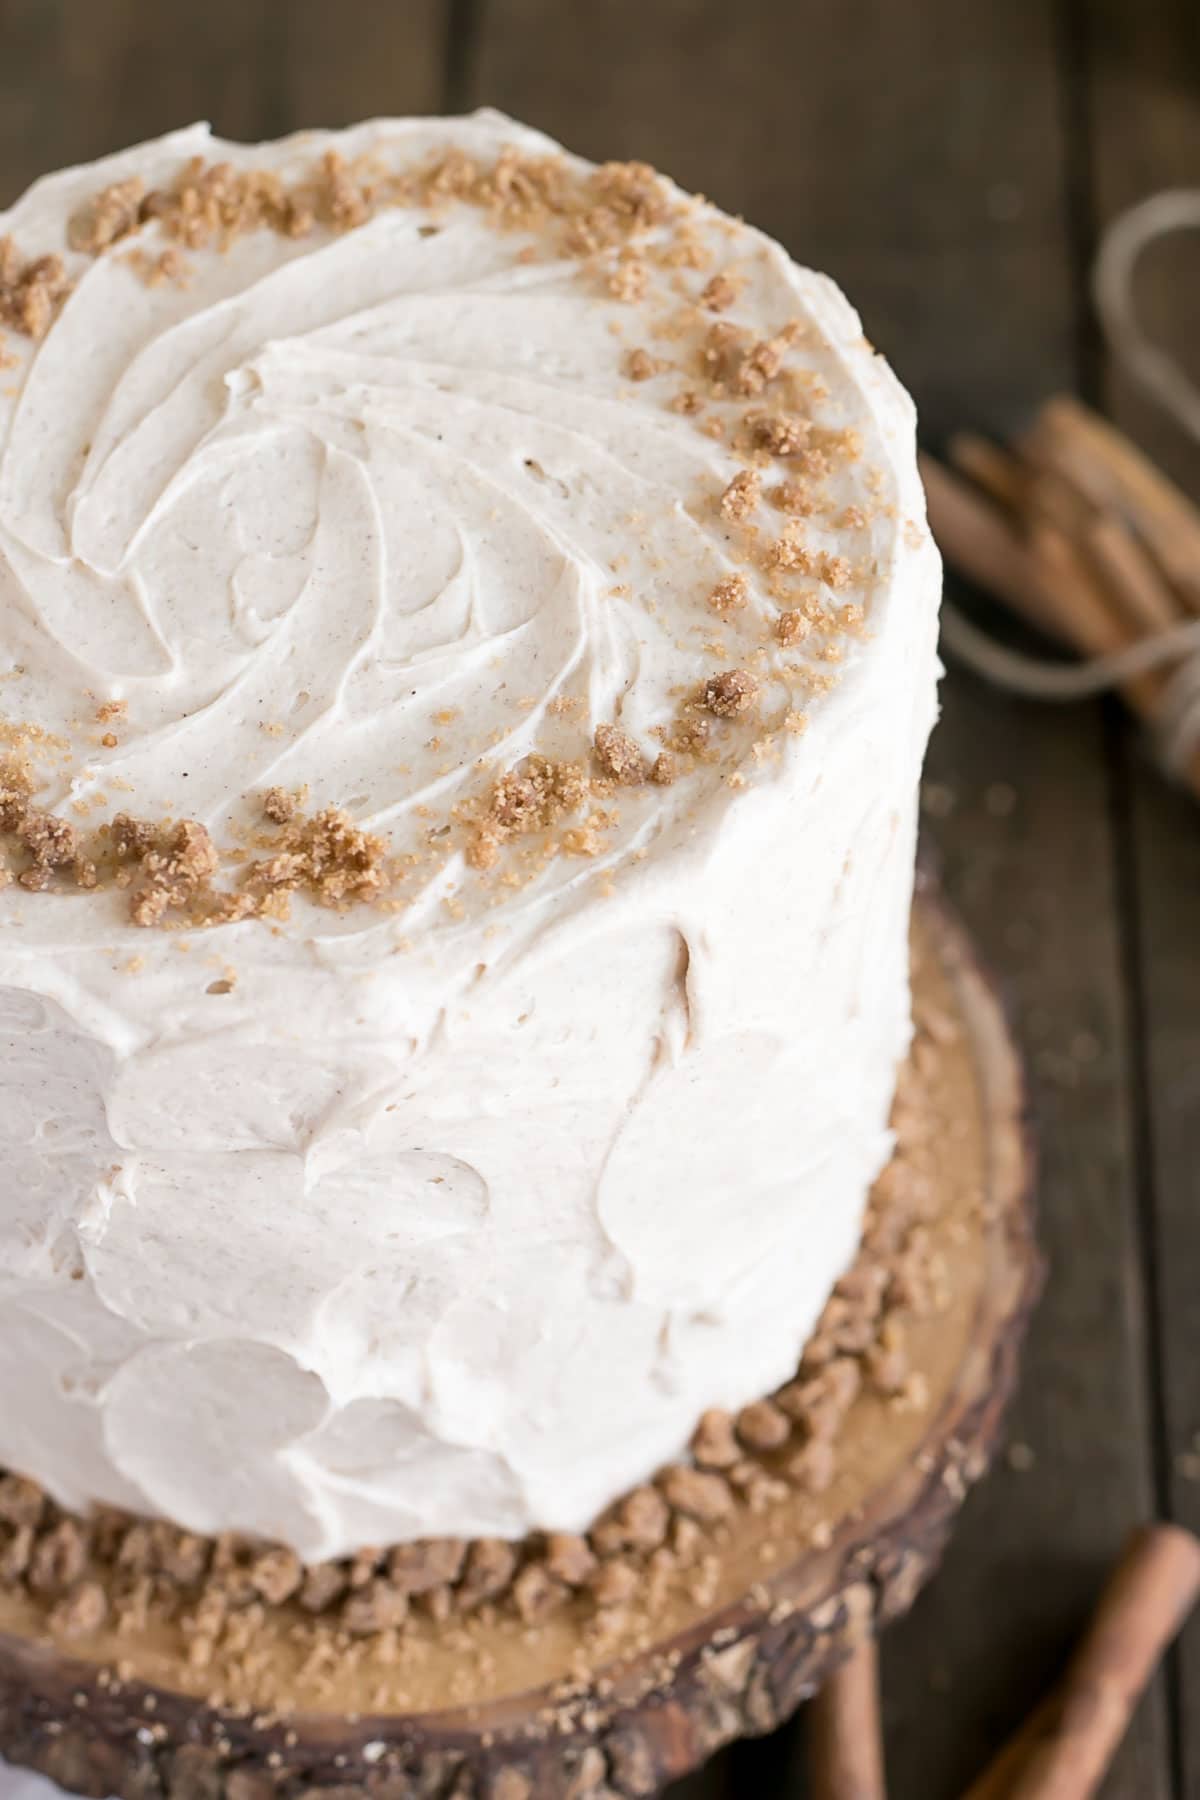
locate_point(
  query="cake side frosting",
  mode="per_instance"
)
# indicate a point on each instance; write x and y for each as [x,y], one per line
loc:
[588,579]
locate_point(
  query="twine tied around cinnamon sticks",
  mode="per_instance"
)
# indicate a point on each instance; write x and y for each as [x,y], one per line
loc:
[1083,537]
[1155,369]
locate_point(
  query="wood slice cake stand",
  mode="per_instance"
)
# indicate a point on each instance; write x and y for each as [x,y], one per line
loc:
[596,1701]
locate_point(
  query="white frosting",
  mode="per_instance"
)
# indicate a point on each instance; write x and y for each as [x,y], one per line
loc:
[449,1219]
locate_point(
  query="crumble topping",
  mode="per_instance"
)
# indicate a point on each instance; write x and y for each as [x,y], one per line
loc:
[795,498]
[732,692]
[741,496]
[171,871]
[692,732]
[719,293]
[731,594]
[112,215]
[714,1442]
[628,281]
[779,433]
[792,627]
[30,292]
[763,1426]
[762,362]
[530,798]
[640,365]
[349,203]
[697,1494]
[327,857]
[47,845]
[279,806]
[619,756]
[216,203]
[171,875]
[789,551]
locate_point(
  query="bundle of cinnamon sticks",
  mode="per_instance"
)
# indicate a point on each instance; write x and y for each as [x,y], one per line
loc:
[1064,1749]
[1080,534]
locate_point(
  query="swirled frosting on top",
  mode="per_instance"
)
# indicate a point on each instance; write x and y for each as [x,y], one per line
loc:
[565,537]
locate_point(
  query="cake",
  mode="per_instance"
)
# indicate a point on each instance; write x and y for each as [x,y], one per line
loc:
[469,645]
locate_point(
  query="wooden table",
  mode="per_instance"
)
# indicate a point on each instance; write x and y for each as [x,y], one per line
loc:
[950,161]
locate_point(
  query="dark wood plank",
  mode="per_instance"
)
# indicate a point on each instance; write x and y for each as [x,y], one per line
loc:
[927,169]
[357,59]
[1029,856]
[77,81]
[1144,99]
[713,1782]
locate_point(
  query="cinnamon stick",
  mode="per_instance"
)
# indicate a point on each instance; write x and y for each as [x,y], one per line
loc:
[1116,477]
[1044,580]
[998,472]
[1132,579]
[976,537]
[1095,626]
[1138,590]
[845,1734]
[1046,576]
[1063,1751]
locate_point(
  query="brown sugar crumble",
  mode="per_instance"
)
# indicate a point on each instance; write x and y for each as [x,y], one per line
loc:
[348,202]
[719,293]
[112,215]
[731,692]
[714,1442]
[691,732]
[46,847]
[779,433]
[628,281]
[534,796]
[619,756]
[741,496]
[730,594]
[762,363]
[795,498]
[279,806]
[325,856]
[720,353]
[790,551]
[173,872]
[792,627]
[157,271]
[216,203]
[31,292]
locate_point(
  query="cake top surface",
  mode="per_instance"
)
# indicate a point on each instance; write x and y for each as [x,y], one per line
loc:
[413,528]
